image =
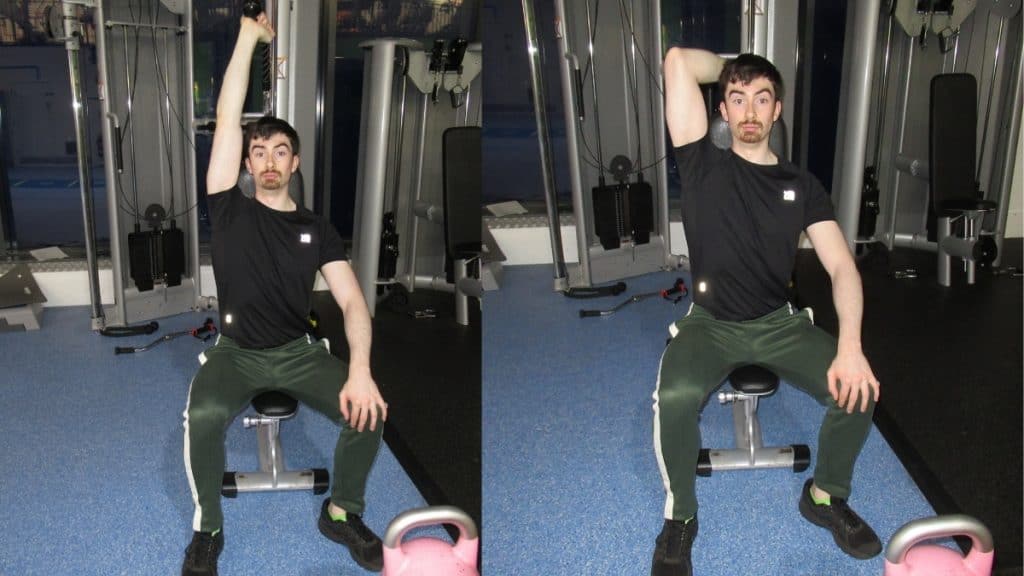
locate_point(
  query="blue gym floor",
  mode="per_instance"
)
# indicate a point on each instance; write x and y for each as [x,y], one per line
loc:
[571,482]
[93,481]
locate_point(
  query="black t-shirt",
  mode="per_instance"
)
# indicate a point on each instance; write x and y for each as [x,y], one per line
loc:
[743,222]
[265,263]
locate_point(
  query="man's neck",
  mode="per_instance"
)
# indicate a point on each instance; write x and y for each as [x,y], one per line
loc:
[276,199]
[757,153]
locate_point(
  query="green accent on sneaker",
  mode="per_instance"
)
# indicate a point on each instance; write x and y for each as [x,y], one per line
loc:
[343,517]
[826,501]
[215,532]
[690,519]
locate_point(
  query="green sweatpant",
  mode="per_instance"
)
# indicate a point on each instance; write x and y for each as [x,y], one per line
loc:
[703,352]
[227,380]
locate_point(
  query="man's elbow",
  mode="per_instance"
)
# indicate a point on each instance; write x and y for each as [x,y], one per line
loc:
[675,62]
[844,271]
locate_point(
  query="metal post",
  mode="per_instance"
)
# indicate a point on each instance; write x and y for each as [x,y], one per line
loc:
[372,176]
[282,47]
[119,311]
[72,43]
[883,88]
[413,230]
[988,106]
[893,204]
[192,193]
[561,283]
[860,52]
[660,144]
[1011,137]
[593,83]
[400,129]
[165,127]
[751,25]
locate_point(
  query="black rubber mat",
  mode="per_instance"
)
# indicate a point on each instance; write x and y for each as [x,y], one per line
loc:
[428,370]
[950,364]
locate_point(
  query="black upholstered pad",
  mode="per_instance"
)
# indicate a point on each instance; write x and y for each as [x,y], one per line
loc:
[753,380]
[952,143]
[462,184]
[275,404]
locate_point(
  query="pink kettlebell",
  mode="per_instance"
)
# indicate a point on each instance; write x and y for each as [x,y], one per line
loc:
[430,556]
[902,558]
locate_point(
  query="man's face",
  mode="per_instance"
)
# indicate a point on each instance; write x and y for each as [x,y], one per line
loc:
[271,161]
[750,109]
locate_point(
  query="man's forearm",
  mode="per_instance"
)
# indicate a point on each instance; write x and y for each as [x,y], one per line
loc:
[705,66]
[848,297]
[344,286]
[236,78]
[359,333]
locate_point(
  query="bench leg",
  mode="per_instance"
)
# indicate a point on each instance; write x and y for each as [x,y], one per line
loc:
[272,474]
[750,451]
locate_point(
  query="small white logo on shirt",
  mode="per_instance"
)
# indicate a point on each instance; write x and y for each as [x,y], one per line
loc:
[789,195]
[305,238]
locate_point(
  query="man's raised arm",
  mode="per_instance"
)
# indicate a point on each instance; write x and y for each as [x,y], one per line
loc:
[226,155]
[685,70]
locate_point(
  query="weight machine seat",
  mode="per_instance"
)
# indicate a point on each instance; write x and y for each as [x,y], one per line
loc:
[461,174]
[750,383]
[753,380]
[952,177]
[462,184]
[275,405]
[952,144]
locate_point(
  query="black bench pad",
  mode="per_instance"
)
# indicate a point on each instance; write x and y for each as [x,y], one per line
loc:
[275,404]
[753,380]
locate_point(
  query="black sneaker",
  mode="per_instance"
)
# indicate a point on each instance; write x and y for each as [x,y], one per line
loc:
[672,549]
[364,546]
[850,532]
[201,555]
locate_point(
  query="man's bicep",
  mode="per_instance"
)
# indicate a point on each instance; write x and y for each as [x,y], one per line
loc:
[225,159]
[829,244]
[341,279]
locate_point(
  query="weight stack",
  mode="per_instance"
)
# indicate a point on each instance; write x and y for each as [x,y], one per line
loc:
[140,259]
[172,250]
[623,210]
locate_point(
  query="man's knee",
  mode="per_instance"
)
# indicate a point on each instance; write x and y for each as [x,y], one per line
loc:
[208,414]
[680,394]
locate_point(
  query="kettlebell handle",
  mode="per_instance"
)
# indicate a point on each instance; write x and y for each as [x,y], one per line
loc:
[426,517]
[937,527]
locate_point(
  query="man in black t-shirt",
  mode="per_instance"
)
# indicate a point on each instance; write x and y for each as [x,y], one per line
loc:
[743,212]
[266,253]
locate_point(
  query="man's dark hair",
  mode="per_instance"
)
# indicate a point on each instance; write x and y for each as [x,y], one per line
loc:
[744,68]
[268,126]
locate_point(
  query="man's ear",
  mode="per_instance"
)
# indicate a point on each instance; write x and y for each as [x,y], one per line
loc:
[778,110]
[248,165]
[723,111]
[295,163]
